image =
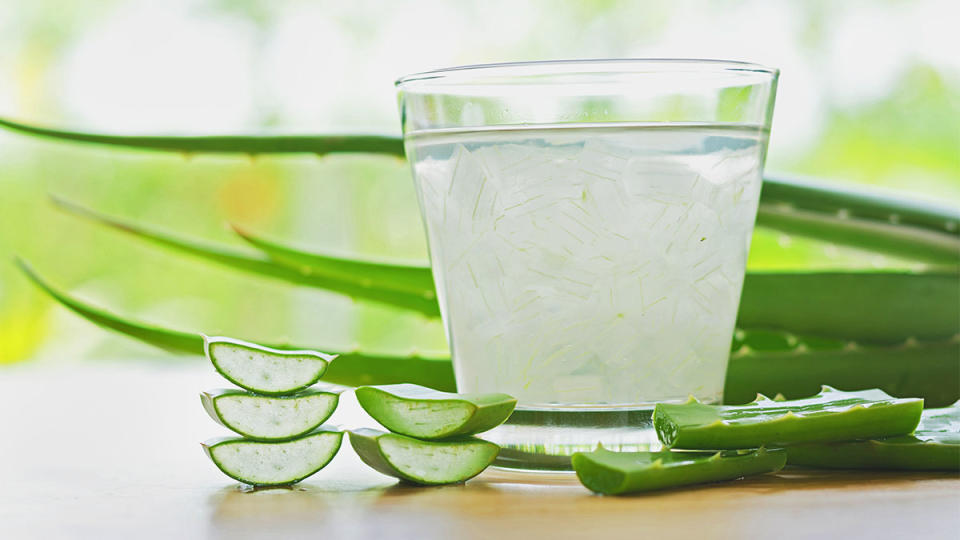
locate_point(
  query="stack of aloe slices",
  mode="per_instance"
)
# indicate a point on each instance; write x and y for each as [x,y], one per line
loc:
[279,414]
[431,438]
[834,429]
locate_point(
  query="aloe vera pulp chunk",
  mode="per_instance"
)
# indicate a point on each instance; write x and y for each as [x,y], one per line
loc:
[831,415]
[934,446]
[264,370]
[425,413]
[423,462]
[616,473]
[274,463]
[271,418]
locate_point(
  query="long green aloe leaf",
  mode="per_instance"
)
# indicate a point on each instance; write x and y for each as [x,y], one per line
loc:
[619,473]
[928,370]
[935,445]
[359,288]
[829,416]
[352,368]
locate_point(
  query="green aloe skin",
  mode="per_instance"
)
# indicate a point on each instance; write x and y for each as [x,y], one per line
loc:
[274,463]
[423,462]
[829,416]
[271,418]
[265,370]
[934,446]
[619,473]
[424,413]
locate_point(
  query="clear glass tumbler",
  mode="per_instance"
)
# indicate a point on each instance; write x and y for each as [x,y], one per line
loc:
[588,225]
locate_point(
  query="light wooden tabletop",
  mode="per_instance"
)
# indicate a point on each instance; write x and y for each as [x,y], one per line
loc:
[108,450]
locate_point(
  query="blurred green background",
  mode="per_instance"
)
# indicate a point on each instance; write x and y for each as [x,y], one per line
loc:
[869,94]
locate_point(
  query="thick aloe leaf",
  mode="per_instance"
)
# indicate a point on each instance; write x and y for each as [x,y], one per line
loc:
[265,370]
[352,368]
[831,415]
[618,473]
[408,278]
[227,144]
[927,370]
[271,418]
[425,413]
[262,265]
[934,446]
[423,462]
[274,463]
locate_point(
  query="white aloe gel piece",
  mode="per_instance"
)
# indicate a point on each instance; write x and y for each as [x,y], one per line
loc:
[423,462]
[269,418]
[262,369]
[274,463]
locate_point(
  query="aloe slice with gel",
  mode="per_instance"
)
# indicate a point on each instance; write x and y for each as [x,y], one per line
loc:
[424,413]
[423,462]
[274,463]
[264,370]
[271,418]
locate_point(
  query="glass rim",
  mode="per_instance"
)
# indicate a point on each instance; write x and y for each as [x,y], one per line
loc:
[477,72]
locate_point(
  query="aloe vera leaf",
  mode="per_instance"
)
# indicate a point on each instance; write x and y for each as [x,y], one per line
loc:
[833,304]
[934,446]
[930,370]
[274,463]
[271,418]
[409,277]
[428,414]
[352,368]
[831,415]
[618,473]
[262,265]
[226,144]
[423,462]
[265,370]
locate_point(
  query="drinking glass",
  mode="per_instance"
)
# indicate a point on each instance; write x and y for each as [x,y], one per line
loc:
[588,226]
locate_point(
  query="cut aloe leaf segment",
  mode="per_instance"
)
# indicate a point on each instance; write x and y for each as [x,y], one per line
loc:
[617,473]
[424,413]
[271,418]
[274,463]
[831,415]
[264,370]
[934,446]
[423,462]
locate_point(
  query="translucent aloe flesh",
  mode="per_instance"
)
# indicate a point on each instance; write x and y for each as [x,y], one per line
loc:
[619,473]
[425,413]
[271,418]
[423,462]
[274,463]
[934,446]
[265,370]
[831,415]
[928,370]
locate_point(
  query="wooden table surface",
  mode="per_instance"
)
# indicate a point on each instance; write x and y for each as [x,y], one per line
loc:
[110,450]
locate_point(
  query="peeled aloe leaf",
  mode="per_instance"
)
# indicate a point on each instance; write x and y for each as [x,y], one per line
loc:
[338,275]
[265,370]
[424,413]
[274,463]
[423,462]
[831,415]
[618,473]
[934,446]
[271,418]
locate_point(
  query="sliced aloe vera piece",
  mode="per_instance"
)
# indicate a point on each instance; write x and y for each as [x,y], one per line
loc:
[274,463]
[271,418]
[934,446]
[423,462]
[831,415]
[264,370]
[617,473]
[424,413]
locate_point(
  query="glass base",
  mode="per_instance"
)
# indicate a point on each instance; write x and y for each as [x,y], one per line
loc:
[543,439]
